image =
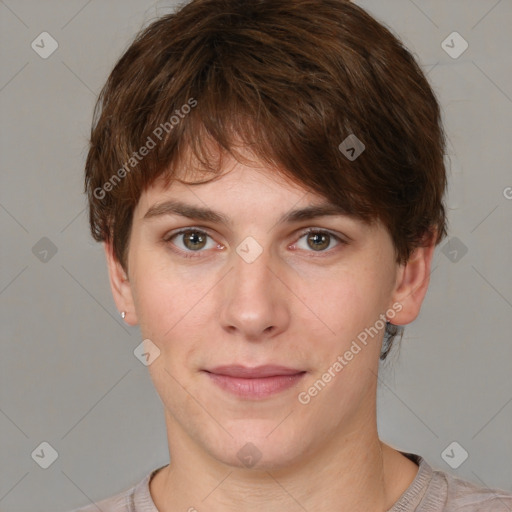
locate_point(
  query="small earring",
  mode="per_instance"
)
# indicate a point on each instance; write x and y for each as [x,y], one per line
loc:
[123,315]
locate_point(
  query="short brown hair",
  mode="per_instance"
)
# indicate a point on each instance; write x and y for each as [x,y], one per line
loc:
[290,80]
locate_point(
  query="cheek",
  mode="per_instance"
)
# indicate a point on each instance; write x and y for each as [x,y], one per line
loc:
[347,307]
[170,302]
[344,301]
[154,303]
[160,309]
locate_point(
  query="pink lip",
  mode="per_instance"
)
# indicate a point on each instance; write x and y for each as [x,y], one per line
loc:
[257,372]
[255,383]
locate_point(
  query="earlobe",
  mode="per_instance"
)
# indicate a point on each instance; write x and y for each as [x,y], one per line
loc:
[120,286]
[412,283]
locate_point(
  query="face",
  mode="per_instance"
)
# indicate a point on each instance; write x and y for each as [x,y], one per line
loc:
[229,274]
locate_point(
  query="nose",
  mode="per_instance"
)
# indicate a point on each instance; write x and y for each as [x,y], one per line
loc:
[254,300]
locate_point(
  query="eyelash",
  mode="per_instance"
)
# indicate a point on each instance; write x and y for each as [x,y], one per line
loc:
[195,254]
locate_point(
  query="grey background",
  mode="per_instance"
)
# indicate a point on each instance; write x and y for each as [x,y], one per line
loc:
[68,373]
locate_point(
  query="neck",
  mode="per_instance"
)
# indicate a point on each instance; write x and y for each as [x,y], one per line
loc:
[361,476]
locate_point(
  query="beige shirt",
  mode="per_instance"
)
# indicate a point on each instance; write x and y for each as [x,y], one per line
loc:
[430,491]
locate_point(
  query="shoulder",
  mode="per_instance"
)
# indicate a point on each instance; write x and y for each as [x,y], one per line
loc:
[119,503]
[438,491]
[134,499]
[464,496]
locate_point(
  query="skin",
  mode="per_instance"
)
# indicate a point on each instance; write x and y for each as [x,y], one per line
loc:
[296,306]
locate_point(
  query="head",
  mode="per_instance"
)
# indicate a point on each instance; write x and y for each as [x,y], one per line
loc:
[242,112]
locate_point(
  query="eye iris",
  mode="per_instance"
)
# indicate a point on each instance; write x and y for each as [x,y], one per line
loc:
[320,241]
[194,240]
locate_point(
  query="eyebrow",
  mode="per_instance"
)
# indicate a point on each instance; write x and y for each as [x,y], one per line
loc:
[174,207]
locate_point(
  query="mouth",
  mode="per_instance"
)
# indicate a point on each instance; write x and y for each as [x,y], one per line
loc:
[255,383]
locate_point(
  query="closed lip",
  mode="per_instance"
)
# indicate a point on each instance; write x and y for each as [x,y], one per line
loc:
[257,372]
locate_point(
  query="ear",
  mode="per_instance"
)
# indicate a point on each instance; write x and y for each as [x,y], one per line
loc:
[120,285]
[412,282]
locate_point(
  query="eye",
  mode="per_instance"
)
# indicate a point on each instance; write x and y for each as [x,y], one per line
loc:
[191,240]
[318,241]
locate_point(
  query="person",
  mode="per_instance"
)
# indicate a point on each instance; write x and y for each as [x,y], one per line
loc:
[267,178]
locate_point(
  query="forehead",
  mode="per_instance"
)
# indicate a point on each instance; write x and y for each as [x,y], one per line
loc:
[244,195]
[251,184]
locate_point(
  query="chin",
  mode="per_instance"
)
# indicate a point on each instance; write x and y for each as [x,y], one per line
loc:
[259,449]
